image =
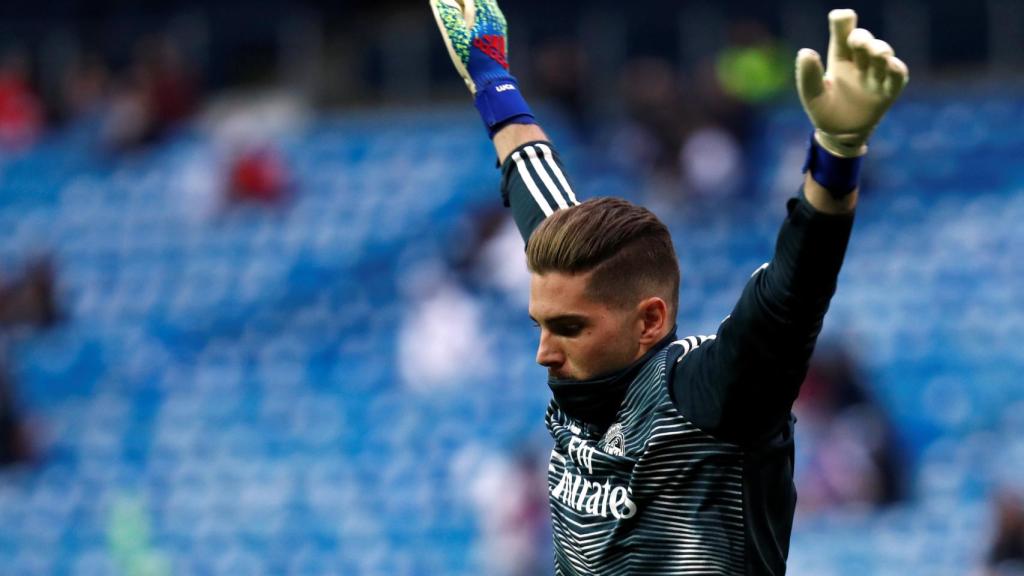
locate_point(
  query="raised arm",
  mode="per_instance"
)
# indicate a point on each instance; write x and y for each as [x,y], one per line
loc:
[533,180]
[845,104]
[742,385]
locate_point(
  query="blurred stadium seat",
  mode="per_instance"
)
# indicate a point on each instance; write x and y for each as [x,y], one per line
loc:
[237,375]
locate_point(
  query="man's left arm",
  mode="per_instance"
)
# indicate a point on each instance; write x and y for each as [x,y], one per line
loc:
[742,385]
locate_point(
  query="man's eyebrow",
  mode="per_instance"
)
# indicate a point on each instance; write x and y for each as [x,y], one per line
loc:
[562,318]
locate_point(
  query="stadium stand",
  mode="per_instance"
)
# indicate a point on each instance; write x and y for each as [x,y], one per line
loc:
[228,387]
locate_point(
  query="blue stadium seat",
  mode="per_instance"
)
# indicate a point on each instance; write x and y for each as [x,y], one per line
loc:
[239,373]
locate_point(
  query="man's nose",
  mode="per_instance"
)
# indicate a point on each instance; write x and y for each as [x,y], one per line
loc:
[549,355]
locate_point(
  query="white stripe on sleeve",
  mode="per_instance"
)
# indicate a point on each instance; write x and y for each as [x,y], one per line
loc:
[548,182]
[524,173]
[550,158]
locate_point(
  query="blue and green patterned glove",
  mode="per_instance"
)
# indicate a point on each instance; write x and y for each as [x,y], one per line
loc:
[475,33]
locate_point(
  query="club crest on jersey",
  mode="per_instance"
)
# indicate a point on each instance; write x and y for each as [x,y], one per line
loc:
[614,441]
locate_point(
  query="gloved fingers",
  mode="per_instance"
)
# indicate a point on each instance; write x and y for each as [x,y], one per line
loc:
[454,8]
[452,25]
[897,77]
[459,5]
[859,40]
[490,6]
[810,74]
[468,12]
[879,52]
[840,23]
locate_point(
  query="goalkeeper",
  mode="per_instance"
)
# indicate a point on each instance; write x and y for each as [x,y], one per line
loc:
[673,456]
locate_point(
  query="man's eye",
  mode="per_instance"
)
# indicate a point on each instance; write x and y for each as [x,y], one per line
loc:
[568,329]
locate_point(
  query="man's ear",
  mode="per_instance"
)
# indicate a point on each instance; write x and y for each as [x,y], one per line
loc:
[653,316]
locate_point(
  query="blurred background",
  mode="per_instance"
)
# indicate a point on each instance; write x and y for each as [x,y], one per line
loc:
[261,310]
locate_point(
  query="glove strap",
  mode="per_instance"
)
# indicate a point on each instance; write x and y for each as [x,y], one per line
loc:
[840,176]
[501,103]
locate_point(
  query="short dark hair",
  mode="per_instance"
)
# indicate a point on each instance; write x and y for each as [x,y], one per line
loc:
[628,249]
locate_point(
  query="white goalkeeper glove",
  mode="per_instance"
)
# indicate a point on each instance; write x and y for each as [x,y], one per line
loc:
[846,102]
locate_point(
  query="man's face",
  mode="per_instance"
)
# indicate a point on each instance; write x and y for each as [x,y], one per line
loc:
[581,338]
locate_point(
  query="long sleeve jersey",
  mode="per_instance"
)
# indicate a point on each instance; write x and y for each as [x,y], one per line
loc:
[682,463]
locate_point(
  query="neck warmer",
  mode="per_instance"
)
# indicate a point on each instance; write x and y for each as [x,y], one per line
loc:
[597,400]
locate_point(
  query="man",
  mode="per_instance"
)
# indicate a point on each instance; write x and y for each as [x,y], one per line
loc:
[673,456]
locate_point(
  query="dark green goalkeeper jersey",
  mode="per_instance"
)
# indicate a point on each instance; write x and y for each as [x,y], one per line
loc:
[682,463]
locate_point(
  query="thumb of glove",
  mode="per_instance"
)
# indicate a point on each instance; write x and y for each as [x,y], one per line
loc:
[810,77]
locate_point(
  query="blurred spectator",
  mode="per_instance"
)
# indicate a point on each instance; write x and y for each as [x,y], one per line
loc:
[21,112]
[86,88]
[685,135]
[755,67]
[171,83]
[487,253]
[560,68]
[442,341]
[658,118]
[848,452]
[1006,555]
[258,175]
[243,161]
[711,160]
[14,438]
[159,91]
[29,299]
[509,495]
[24,301]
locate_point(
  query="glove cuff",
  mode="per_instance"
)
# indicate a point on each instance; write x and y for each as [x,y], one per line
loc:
[842,145]
[500,103]
[837,174]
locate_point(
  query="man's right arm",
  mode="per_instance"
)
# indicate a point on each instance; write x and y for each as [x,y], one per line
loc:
[533,181]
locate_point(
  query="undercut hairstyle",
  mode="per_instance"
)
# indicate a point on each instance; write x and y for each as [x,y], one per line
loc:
[628,249]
